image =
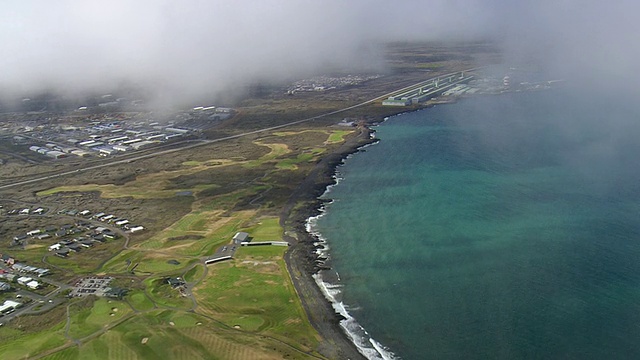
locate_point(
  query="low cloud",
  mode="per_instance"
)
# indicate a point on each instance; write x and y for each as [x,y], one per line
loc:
[195,49]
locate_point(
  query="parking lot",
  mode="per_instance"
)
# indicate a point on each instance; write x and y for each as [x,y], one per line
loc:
[95,285]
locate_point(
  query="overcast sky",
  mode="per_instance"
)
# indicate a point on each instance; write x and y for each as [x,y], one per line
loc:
[192,47]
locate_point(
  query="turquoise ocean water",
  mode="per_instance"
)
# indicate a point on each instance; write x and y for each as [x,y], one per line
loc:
[499,227]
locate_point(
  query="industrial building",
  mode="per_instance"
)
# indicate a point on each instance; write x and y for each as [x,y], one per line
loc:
[132,141]
[56,154]
[426,90]
[106,150]
[176,130]
[81,153]
[121,147]
[142,144]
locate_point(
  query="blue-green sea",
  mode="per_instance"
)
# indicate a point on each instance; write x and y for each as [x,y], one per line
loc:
[499,227]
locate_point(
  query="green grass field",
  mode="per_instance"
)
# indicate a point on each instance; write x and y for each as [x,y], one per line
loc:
[292,163]
[266,229]
[337,136]
[140,301]
[149,262]
[86,321]
[164,295]
[194,274]
[177,335]
[15,344]
[254,293]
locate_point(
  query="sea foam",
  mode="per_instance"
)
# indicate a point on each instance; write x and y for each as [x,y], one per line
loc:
[365,344]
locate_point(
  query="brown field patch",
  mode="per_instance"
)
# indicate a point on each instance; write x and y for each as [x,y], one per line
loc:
[263,267]
[186,237]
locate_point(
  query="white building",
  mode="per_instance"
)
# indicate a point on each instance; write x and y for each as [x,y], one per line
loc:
[55,247]
[121,147]
[24,280]
[9,306]
[136,229]
[142,144]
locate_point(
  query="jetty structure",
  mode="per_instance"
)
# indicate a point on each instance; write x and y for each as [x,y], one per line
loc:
[427,90]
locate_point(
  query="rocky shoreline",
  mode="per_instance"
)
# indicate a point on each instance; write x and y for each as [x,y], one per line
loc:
[303,260]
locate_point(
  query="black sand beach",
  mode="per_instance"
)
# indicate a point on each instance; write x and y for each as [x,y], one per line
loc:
[302,259]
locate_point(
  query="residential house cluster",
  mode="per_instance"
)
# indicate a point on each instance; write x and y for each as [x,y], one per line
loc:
[96,236]
[24,269]
[29,282]
[27,211]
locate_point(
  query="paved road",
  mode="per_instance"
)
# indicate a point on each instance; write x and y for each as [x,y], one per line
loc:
[207,142]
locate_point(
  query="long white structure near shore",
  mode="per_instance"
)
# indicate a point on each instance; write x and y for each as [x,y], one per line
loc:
[426,90]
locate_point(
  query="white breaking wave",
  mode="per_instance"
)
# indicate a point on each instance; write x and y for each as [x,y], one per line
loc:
[323,246]
[366,345]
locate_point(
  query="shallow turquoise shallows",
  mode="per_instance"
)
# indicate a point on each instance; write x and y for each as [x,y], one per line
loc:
[499,227]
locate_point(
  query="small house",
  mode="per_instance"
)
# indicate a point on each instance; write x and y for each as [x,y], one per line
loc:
[75,247]
[42,272]
[34,232]
[63,253]
[55,247]
[9,276]
[86,243]
[136,229]
[174,282]
[19,237]
[240,237]
[98,237]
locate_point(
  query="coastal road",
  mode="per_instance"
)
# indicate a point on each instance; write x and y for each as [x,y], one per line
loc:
[230,137]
